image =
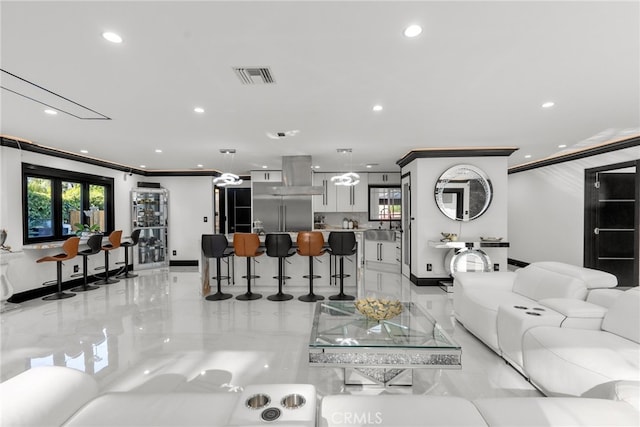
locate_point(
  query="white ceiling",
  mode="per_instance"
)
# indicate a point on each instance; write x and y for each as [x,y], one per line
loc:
[476,76]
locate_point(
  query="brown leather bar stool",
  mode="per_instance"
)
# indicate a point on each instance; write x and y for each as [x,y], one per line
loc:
[279,246]
[216,246]
[341,244]
[70,248]
[95,243]
[133,240]
[114,243]
[310,244]
[247,245]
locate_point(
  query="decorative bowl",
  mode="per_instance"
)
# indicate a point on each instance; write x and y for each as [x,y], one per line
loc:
[378,308]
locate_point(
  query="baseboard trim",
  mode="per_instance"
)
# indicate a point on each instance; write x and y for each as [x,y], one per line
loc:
[183,263]
[517,263]
[427,281]
[52,289]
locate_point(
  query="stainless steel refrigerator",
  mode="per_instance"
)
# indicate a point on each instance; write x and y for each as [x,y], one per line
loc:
[281,213]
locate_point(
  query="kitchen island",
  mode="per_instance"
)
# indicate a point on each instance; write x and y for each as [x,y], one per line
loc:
[296,267]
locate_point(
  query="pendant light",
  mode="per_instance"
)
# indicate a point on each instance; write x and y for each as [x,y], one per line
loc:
[350,178]
[227,178]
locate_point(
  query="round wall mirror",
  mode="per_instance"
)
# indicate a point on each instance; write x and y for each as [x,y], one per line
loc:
[463,192]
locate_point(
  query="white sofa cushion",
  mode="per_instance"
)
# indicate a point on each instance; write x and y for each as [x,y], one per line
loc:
[44,396]
[397,410]
[566,361]
[592,278]
[154,409]
[623,318]
[628,391]
[556,411]
[549,280]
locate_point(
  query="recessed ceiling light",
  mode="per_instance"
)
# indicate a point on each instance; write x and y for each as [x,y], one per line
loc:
[413,31]
[264,166]
[199,110]
[528,156]
[368,166]
[199,166]
[377,108]
[51,112]
[548,104]
[158,150]
[112,37]
[562,146]
[143,166]
[316,167]
[84,151]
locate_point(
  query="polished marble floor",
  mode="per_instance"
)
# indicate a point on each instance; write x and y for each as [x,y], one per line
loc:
[156,333]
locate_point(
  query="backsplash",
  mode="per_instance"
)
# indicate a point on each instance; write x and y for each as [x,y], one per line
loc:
[334,220]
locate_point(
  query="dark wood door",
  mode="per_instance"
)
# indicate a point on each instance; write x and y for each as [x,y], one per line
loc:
[611,232]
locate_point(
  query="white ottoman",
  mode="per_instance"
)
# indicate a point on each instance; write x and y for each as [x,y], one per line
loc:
[514,321]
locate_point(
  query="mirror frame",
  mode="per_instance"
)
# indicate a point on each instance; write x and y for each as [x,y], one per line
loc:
[450,174]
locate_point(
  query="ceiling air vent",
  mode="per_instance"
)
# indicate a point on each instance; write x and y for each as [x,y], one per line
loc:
[254,75]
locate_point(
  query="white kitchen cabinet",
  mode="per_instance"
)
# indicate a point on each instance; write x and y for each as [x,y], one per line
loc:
[380,251]
[384,178]
[325,202]
[266,176]
[353,198]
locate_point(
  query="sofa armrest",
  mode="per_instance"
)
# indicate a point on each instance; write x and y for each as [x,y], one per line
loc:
[603,297]
[44,396]
[495,281]
[578,314]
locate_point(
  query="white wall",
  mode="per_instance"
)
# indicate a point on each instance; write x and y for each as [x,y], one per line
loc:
[430,222]
[546,208]
[190,200]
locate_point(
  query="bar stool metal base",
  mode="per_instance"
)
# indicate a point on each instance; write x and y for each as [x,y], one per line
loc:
[249,296]
[84,288]
[218,296]
[58,295]
[108,281]
[280,297]
[311,298]
[342,297]
[126,275]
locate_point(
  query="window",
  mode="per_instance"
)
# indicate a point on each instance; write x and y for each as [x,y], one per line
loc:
[57,203]
[384,203]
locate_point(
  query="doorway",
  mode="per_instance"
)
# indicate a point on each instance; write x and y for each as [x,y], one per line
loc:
[612,221]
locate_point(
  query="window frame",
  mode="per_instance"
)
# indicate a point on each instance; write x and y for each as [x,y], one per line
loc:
[57,176]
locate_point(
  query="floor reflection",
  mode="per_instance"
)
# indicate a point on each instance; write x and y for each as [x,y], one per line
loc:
[156,333]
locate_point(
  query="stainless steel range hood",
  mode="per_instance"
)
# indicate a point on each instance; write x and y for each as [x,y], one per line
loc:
[297,178]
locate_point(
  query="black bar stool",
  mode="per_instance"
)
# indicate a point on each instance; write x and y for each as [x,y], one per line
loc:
[70,248]
[135,236]
[114,243]
[216,246]
[310,244]
[279,246]
[94,243]
[247,245]
[341,244]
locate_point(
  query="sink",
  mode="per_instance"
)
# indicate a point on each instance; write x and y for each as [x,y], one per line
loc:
[387,235]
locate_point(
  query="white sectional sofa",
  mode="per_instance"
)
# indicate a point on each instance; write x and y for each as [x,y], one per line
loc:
[444,411]
[477,296]
[570,361]
[60,396]
[561,326]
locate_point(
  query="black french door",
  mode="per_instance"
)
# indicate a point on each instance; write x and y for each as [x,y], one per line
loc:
[612,211]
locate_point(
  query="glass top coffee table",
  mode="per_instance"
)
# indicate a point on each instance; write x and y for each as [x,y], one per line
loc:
[381,351]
